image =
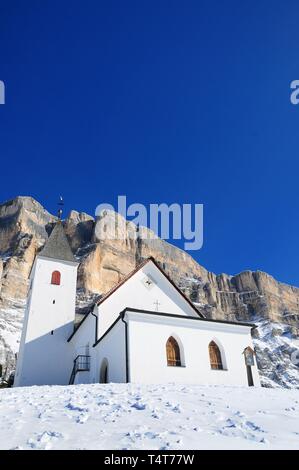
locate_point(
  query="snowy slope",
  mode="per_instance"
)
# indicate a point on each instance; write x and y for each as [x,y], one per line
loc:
[120,416]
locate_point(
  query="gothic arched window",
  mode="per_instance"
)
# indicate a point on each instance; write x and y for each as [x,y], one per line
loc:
[215,356]
[56,277]
[173,352]
[249,356]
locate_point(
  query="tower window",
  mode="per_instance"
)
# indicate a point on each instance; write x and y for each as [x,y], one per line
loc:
[56,277]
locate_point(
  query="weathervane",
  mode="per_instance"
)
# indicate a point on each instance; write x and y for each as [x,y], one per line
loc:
[60,206]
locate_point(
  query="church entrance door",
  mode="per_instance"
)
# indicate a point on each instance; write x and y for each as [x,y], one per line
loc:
[104,372]
[249,362]
[249,376]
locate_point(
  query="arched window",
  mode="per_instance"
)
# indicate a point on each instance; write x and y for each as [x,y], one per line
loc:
[56,277]
[249,356]
[104,372]
[173,352]
[215,356]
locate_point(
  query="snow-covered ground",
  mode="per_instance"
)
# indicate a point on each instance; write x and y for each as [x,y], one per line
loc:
[121,416]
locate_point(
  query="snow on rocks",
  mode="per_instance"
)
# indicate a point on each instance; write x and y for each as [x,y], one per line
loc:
[162,417]
[274,347]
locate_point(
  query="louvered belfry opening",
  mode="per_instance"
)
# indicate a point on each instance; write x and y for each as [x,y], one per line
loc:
[173,352]
[55,279]
[215,356]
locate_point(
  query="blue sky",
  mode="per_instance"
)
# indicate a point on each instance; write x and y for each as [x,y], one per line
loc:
[163,101]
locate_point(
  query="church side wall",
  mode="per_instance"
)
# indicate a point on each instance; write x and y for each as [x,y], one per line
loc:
[147,351]
[112,351]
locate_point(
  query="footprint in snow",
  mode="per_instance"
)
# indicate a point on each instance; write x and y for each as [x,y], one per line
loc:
[230,423]
[197,429]
[134,435]
[175,408]
[155,414]
[245,430]
[44,440]
[142,437]
[82,418]
[75,407]
[139,406]
[253,426]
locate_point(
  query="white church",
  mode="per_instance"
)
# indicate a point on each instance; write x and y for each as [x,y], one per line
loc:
[143,330]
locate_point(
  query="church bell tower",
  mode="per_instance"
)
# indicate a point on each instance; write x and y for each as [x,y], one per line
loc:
[45,356]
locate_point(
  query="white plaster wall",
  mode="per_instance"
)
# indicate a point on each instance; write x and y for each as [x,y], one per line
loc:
[148,335]
[134,294]
[113,349]
[82,343]
[45,358]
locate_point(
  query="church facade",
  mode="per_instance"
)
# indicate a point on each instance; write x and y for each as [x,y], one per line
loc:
[143,330]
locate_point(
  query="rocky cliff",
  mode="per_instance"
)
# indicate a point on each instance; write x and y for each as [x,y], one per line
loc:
[253,296]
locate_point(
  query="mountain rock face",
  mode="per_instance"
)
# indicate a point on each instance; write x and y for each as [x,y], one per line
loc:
[104,261]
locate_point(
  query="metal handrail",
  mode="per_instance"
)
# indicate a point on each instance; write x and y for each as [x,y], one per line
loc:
[82,362]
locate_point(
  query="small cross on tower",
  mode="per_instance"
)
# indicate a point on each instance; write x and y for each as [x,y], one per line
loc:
[157,303]
[60,206]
